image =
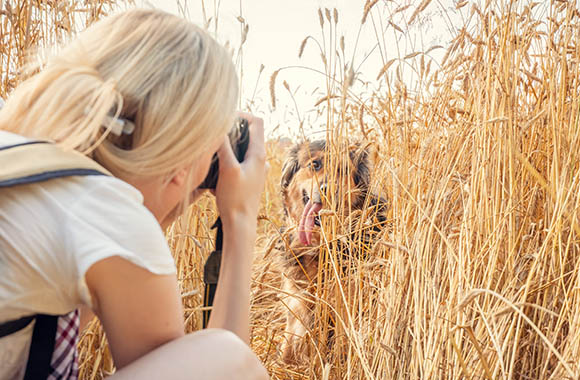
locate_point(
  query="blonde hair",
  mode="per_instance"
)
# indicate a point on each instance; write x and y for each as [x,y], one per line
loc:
[168,76]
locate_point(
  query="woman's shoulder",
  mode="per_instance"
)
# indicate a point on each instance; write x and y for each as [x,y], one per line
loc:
[107,217]
[107,204]
[104,188]
[90,218]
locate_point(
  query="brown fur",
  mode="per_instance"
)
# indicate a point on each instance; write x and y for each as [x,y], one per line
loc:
[304,177]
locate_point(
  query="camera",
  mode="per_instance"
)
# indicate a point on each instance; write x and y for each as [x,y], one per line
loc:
[239,138]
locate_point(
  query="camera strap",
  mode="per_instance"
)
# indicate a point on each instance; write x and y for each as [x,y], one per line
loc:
[240,141]
[211,272]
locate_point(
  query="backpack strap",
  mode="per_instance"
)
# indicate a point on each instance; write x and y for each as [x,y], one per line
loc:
[38,161]
[11,327]
[41,347]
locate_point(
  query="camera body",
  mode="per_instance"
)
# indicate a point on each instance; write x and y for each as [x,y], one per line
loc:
[239,138]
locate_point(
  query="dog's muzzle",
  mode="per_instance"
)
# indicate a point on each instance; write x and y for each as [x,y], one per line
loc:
[315,201]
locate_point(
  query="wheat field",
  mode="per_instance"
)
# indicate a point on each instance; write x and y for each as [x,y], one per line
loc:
[477,273]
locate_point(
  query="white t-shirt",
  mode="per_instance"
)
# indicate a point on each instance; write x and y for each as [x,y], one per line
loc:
[50,235]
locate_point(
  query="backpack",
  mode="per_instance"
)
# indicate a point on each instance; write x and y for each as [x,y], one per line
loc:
[26,163]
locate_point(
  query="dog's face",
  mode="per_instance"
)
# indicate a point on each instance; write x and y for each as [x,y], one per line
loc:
[307,178]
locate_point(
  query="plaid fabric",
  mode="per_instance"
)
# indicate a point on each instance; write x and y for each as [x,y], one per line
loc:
[64,363]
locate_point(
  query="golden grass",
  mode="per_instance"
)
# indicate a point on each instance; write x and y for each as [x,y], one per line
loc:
[26,26]
[477,274]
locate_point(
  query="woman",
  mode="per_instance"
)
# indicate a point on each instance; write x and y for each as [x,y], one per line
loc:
[97,241]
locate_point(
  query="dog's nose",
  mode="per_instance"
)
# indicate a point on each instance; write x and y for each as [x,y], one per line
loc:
[316,198]
[318,195]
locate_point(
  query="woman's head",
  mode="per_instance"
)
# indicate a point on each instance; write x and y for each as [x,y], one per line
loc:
[168,76]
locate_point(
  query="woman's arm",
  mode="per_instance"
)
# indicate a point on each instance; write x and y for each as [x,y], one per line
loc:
[139,310]
[231,306]
[142,316]
[238,196]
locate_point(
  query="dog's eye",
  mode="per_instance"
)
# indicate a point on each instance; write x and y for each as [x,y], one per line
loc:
[315,165]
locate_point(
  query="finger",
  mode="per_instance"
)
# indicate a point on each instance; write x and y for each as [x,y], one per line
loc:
[245,115]
[256,148]
[226,154]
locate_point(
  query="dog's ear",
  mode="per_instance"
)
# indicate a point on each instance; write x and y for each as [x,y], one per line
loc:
[363,163]
[362,166]
[291,167]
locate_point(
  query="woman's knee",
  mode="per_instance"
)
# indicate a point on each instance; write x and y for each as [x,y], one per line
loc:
[236,357]
[212,354]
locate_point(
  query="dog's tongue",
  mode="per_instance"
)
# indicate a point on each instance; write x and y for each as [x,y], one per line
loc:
[307,222]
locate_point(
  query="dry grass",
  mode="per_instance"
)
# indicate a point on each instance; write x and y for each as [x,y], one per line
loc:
[26,26]
[477,274]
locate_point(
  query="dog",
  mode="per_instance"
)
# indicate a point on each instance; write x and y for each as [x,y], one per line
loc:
[306,175]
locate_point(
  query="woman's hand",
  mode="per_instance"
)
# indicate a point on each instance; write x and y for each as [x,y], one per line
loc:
[240,184]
